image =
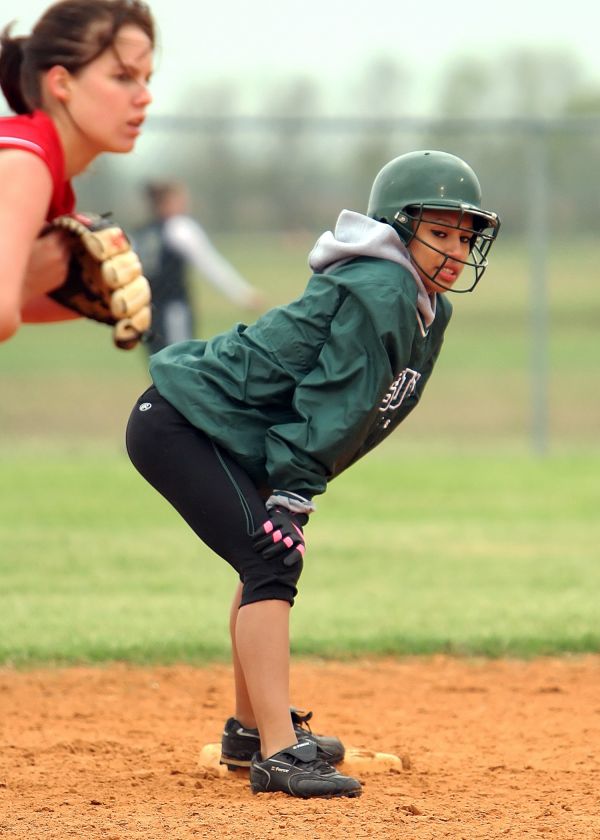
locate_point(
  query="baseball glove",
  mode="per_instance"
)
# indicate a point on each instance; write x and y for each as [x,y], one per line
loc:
[105,280]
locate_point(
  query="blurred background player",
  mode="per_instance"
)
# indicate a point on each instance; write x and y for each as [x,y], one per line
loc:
[168,245]
[79,87]
[240,432]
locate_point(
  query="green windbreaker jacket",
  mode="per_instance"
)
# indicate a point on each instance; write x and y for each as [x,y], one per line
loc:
[313,385]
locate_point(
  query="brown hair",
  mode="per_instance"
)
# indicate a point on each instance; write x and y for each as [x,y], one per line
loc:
[158,191]
[72,34]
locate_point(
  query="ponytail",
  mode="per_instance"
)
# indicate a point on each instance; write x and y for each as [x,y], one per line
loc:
[11,62]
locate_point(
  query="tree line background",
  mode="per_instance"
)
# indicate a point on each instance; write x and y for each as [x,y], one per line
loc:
[295,160]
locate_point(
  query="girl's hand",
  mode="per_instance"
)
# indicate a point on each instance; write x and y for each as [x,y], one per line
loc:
[47,266]
[281,536]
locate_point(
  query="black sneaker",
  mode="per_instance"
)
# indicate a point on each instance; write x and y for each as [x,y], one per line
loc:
[299,771]
[239,744]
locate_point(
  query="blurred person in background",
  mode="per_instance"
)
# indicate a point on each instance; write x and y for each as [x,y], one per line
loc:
[79,87]
[239,433]
[169,244]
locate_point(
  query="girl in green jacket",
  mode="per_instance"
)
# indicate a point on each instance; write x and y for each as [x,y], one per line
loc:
[240,433]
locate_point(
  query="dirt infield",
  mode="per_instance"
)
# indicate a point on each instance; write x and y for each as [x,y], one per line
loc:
[489,750]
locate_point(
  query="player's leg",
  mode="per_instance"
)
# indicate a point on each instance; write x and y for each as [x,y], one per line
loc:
[221,504]
[263,648]
[240,738]
[244,713]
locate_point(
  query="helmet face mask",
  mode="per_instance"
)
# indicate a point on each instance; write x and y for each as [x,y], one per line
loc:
[412,184]
[482,229]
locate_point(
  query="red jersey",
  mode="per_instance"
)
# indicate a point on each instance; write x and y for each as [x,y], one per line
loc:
[36,133]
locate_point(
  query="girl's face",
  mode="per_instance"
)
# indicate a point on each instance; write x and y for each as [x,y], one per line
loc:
[108,98]
[437,229]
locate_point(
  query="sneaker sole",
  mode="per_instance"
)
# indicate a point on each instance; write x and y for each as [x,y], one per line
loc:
[351,794]
[235,763]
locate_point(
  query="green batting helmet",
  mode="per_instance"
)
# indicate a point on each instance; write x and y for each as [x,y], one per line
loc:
[418,181]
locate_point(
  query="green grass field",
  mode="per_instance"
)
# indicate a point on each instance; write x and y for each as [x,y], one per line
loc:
[453,536]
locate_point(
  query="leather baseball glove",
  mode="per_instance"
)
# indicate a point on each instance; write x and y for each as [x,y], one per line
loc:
[105,280]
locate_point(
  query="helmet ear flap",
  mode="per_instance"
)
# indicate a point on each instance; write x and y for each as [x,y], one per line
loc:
[406,222]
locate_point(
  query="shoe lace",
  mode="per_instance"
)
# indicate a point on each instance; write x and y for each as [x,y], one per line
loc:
[301,718]
[317,765]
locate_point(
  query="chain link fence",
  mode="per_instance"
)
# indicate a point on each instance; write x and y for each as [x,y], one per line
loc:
[254,174]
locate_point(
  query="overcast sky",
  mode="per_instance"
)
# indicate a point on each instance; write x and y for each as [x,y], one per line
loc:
[256,41]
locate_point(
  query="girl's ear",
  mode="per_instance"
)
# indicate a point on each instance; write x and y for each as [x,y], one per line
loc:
[58,83]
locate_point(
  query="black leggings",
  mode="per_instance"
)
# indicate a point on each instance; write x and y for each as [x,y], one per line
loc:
[210,491]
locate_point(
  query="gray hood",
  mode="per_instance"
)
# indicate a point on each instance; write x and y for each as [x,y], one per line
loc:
[356,235]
